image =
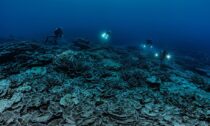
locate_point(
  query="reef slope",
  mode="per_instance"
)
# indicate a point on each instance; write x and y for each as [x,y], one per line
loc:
[84,84]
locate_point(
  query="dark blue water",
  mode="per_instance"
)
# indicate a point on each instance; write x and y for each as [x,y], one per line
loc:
[171,24]
[69,82]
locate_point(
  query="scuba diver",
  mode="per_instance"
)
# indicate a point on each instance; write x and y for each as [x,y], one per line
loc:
[149,43]
[58,33]
[164,55]
[109,33]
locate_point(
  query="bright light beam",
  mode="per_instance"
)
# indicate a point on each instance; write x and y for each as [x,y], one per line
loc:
[105,36]
[156,55]
[168,56]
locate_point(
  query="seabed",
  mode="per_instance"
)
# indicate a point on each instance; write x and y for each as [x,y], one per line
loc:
[97,85]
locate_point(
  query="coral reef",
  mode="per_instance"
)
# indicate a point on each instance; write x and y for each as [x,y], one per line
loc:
[81,84]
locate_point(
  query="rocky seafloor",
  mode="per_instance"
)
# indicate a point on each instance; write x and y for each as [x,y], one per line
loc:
[97,85]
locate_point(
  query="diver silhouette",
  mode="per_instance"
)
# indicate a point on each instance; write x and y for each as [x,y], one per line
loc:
[164,55]
[109,33]
[58,33]
[149,43]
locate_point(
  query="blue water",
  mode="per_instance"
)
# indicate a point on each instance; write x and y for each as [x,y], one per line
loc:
[84,82]
[170,23]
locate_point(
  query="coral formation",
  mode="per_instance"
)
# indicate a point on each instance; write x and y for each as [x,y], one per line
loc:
[97,85]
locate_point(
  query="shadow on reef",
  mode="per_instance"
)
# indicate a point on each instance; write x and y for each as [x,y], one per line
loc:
[87,84]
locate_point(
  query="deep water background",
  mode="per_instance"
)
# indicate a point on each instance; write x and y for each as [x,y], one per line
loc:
[176,24]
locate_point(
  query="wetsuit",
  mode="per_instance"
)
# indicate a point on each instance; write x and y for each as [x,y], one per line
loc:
[58,33]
